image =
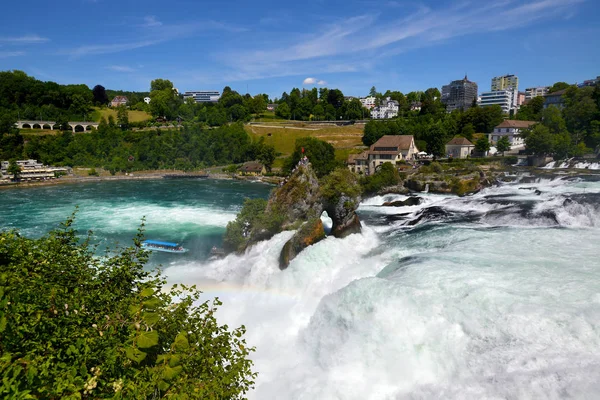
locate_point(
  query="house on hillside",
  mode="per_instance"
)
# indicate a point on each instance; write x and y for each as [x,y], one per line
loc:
[416,106]
[459,147]
[147,100]
[272,107]
[512,130]
[358,163]
[119,101]
[253,168]
[386,110]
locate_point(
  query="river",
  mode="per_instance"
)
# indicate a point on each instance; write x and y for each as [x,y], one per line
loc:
[495,295]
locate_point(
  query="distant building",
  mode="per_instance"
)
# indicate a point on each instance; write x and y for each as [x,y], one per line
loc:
[506,99]
[459,94]
[520,99]
[555,99]
[504,83]
[147,100]
[459,147]
[119,101]
[358,163]
[33,170]
[272,107]
[388,109]
[368,102]
[591,82]
[253,168]
[415,106]
[532,92]
[203,96]
[512,130]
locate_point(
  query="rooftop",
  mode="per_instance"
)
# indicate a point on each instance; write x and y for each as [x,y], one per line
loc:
[460,141]
[402,142]
[515,124]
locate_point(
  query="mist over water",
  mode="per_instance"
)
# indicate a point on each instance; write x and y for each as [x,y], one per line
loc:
[495,295]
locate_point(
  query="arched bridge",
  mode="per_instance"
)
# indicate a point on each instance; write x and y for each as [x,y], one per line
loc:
[76,126]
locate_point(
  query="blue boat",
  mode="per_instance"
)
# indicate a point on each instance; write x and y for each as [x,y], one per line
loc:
[167,247]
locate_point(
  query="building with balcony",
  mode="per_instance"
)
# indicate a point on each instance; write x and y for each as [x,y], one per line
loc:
[459,94]
[512,130]
[532,92]
[203,96]
[506,99]
[368,102]
[505,82]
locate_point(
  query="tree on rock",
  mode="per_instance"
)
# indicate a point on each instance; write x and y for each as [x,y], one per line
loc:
[319,153]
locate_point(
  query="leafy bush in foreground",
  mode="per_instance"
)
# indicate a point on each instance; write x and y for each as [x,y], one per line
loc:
[74,326]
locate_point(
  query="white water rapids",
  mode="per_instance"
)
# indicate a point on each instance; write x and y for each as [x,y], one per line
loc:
[493,296]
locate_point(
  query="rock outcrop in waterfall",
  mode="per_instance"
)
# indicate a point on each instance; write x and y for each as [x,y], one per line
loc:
[298,204]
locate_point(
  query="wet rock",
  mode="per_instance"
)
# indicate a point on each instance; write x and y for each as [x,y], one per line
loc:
[411,201]
[308,234]
[538,192]
[343,215]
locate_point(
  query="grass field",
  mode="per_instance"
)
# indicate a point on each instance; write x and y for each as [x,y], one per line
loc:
[345,139]
[134,116]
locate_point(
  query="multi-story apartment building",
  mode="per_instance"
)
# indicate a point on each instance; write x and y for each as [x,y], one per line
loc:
[506,99]
[459,94]
[388,109]
[590,82]
[505,82]
[532,92]
[203,96]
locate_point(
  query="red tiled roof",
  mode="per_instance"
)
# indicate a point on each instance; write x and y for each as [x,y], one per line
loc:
[402,142]
[460,141]
[516,124]
[353,157]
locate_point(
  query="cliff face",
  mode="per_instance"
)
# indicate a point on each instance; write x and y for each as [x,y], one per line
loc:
[298,204]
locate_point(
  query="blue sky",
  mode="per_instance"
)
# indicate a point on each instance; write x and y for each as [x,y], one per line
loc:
[271,46]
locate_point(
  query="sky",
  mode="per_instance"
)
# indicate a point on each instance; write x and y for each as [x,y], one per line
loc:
[271,46]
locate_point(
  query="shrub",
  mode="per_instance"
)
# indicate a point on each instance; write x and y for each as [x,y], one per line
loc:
[93,172]
[386,176]
[436,167]
[340,181]
[74,325]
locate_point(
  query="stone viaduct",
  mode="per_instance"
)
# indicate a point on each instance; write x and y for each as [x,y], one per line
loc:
[76,126]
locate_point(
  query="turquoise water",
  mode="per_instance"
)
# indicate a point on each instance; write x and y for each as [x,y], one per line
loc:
[193,213]
[490,296]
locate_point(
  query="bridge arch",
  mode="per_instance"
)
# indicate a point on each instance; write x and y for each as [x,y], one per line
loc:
[26,126]
[46,126]
[88,127]
[36,126]
[78,128]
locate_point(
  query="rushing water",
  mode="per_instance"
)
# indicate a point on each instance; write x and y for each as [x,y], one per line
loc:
[495,295]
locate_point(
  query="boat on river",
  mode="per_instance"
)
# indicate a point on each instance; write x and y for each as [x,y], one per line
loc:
[166,247]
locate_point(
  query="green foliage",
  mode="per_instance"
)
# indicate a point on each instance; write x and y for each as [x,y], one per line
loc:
[387,175]
[436,167]
[503,144]
[283,111]
[320,154]
[482,144]
[539,140]
[339,182]
[252,218]
[559,86]
[468,131]
[93,172]
[14,169]
[74,325]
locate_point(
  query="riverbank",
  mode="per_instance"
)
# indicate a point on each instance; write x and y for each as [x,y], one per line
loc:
[78,177]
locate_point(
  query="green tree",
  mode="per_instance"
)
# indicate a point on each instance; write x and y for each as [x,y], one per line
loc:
[539,141]
[75,325]
[503,145]
[320,154]
[558,86]
[482,145]
[14,169]
[161,84]
[100,96]
[468,131]
[283,111]
[373,91]
[123,117]
[267,155]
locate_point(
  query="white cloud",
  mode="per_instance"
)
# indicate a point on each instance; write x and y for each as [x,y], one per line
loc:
[6,54]
[27,39]
[309,81]
[151,20]
[344,44]
[121,68]
[321,82]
